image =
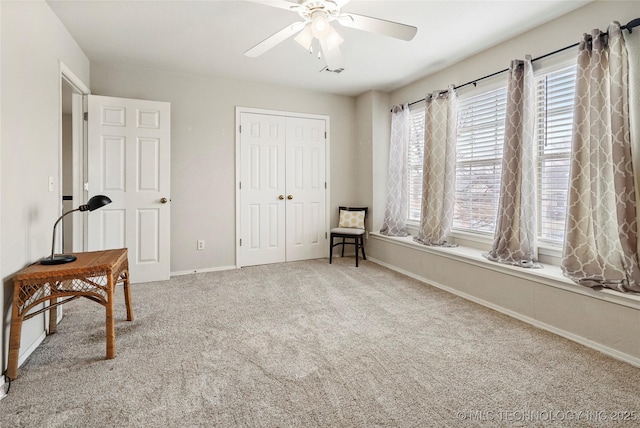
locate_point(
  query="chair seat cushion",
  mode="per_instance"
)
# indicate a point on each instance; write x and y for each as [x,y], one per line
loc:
[347,231]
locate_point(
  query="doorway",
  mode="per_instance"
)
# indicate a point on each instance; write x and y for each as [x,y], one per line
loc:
[67,166]
[72,236]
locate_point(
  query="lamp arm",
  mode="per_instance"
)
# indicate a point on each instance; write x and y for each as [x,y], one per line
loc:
[53,240]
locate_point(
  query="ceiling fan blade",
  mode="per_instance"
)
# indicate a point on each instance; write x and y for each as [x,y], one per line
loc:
[273,40]
[376,25]
[332,56]
[281,4]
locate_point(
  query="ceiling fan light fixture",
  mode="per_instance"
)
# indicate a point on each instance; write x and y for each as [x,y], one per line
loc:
[320,27]
[333,39]
[305,38]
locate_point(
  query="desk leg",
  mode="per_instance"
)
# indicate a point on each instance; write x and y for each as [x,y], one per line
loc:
[14,337]
[53,316]
[110,327]
[127,294]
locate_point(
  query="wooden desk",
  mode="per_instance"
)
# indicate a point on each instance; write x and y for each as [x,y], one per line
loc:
[93,275]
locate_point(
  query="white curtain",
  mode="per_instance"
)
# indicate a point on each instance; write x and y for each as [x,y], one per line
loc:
[395,213]
[439,168]
[516,230]
[601,248]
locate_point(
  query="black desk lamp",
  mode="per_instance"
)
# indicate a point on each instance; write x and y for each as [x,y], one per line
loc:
[94,203]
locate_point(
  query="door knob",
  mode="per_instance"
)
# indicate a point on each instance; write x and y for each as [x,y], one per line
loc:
[281,197]
[289,197]
[164,200]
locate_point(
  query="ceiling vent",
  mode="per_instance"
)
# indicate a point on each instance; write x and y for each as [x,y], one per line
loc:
[337,70]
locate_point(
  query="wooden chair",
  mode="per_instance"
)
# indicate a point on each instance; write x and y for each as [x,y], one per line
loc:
[351,226]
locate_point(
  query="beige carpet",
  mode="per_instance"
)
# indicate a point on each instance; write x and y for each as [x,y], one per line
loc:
[312,344]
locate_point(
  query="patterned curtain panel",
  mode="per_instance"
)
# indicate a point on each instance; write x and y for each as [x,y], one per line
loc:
[515,237]
[632,40]
[601,232]
[395,213]
[439,170]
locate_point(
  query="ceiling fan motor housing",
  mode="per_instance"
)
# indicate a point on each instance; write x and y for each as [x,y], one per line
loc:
[311,9]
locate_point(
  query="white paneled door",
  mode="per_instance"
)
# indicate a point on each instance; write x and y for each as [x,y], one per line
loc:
[129,161]
[282,189]
[262,189]
[305,200]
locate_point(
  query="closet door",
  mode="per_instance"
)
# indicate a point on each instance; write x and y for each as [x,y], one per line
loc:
[262,189]
[305,182]
[282,191]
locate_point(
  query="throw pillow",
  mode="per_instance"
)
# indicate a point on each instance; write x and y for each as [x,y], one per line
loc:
[353,219]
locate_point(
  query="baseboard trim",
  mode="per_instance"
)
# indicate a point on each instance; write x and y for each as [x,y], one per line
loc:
[213,269]
[634,361]
[27,352]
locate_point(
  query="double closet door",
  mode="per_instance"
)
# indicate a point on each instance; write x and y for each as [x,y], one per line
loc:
[282,189]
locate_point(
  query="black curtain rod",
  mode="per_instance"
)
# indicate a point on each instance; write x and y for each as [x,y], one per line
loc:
[629,27]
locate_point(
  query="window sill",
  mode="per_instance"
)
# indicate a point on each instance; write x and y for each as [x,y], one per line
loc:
[547,252]
[549,275]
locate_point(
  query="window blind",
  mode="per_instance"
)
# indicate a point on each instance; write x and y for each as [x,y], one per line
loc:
[554,120]
[415,161]
[479,160]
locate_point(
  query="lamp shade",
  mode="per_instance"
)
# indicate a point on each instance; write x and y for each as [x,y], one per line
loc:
[98,201]
[333,39]
[320,26]
[305,37]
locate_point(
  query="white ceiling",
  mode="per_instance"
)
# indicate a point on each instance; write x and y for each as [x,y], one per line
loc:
[210,37]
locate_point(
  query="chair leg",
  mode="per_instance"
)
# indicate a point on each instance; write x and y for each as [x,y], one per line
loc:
[330,248]
[356,245]
[364,257]
[342,254]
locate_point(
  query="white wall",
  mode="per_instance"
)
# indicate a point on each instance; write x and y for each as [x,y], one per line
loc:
[203,150]
[611,326]
[2,300]
[372,117]
[33,43]
[380,157]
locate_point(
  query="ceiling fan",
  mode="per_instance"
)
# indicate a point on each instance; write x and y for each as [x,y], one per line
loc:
[317,16]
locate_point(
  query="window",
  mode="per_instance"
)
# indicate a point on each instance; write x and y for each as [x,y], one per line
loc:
[554,121]
[415,160]
[479,160]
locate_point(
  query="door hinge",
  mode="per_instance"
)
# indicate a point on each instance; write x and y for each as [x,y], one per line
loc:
[325,135]
[240,185]
[325,235]
[325,184]
[240,129]
[241,242]
[85,115]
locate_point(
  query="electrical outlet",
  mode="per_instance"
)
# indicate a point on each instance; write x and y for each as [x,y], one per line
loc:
[200,244]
